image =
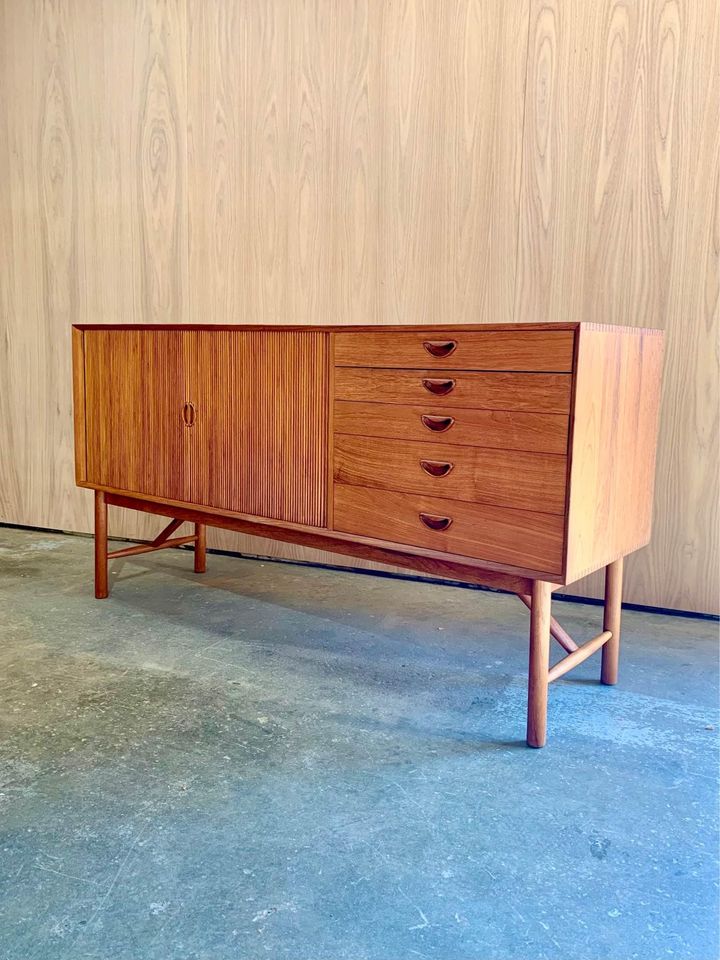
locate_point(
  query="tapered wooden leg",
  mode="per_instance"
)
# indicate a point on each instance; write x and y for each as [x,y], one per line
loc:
[200,549]
[611,621]
[101,550]
[539,664]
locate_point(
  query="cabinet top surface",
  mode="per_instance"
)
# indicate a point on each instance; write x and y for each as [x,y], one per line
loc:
[369,328]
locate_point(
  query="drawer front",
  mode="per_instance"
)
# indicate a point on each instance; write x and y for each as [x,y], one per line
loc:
[433,423]
[538,350]
[532,392]
[532,541]
[506,478]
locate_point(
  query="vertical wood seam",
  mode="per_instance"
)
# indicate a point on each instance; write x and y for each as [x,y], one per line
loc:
[518,198]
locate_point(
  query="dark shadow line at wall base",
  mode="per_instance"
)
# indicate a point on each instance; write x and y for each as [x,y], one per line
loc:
[415,578]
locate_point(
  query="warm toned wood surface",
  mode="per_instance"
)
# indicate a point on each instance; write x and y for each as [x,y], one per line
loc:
[451,197]
[463,350]
[538,663]
[612,621]
[619,223]
[421,560]
[578,656]
[239,421]
[505,430]
[533,392]
[614,431]
[78,374]
[521,538]
[100,540]
[135,389]
[507,478]
[259,441]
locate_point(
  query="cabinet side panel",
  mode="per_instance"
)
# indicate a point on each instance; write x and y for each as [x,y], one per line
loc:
[260,442]
[78,365]
[614,438]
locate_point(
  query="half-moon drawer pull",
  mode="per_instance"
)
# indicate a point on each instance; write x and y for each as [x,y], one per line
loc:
[436,468]
[439,387]
[440,348]
[437,424]
[188,414]
[435,523]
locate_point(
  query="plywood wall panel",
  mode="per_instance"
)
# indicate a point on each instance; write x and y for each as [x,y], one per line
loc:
[218,230]
[357,151]
[39,276]
[619,225]
[93,206]
[452,80]
[316,161]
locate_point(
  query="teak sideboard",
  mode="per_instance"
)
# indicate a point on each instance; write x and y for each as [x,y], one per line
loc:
[519,457]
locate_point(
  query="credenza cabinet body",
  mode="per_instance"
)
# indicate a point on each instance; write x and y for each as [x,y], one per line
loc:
[502,455]
[223,418]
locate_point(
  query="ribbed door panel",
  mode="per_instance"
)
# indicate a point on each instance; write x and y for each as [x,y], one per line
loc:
[259,441]
[134,392]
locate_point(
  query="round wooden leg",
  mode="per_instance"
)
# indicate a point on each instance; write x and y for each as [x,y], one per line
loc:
[200,548]
[611,621]
[101,561]
[539,664]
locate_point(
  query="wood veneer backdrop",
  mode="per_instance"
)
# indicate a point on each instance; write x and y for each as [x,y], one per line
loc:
[362,161]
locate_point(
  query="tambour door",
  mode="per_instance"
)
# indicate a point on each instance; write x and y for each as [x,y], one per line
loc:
[259,439]
[136,439]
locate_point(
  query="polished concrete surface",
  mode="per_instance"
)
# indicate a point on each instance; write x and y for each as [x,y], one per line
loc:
[279,761]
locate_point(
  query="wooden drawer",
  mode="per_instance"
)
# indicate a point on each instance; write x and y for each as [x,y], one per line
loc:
[433,423]
[532,541]
[506,478]
[536,350]
[533,392]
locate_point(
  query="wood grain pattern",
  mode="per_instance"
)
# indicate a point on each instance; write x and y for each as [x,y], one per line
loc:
[218,146]
[135,385]
[531,541]
[495,429]
[39,265]
[239,422]
[259,442]
[452,197]
[466,350]
[78,361]
[451,78]
[356,112]
[530,481]
[421,560]
[619,224]
[538,662]
[532,392]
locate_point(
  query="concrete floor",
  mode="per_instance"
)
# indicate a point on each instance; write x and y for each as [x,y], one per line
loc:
[277,761]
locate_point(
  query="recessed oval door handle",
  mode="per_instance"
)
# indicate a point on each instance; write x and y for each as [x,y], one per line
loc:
[439,387]
[440,348]
[437,424]
[188,414]
[436,468]
[435,523]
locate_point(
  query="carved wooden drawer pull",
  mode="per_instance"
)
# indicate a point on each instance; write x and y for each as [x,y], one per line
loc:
[437,424]
[435,523]
[440,348]
[436,468]
[439,387]
[188,414]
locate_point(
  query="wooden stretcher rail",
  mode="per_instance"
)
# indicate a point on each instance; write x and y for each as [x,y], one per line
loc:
[577,656]
[556,631]
[150,547]
[535,594]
